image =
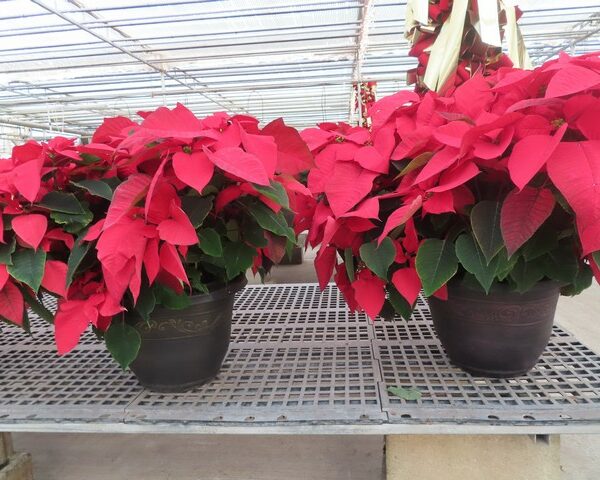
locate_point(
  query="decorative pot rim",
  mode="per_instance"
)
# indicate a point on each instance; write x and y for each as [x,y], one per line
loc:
[500,292]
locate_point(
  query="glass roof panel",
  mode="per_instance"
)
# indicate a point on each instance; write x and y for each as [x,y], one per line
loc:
[66,64]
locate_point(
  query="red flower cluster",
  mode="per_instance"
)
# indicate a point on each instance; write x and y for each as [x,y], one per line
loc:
[499,181]
[200,202]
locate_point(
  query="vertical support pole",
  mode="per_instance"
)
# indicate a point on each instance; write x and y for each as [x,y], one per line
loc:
[360,103]
[457,457]
[362,40]
[6,448]
[13,466]
[162,86]
[352,114]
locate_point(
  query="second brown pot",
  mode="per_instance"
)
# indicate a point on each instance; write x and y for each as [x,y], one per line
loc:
[502,334]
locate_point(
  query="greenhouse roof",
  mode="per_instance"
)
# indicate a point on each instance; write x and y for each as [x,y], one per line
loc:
[66,64]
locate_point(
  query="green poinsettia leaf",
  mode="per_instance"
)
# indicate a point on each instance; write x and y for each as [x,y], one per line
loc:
[123,342]
[196,208]
[232,230]
[271,221]
[505,264]
[97,188]
[485,222]
[410,394]
[349,263]
[387,312]
[526,274]
[89,159]
[195,278]
[401,306]
[596,258]
[145,303]
[72,223]
[561,264]
[76,256]
[289,249]
[35,304]
[216,261]
[275,192]
[25,322]
[210,242]
[238,258]
[254,234]
[6,251]
[582,280]
[62,202]
[470,281]
[436,264]
[542,242]
[169,299]
[113,182]
[378,258]
[473,260]
[28,267]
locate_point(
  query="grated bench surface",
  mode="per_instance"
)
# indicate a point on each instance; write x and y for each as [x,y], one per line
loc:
[300,362]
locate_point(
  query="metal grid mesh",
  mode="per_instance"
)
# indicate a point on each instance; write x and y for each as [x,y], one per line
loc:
[37,384]
[565,384]
[299,357]
[339,326]
[275,384]
[290,297]
[560,387]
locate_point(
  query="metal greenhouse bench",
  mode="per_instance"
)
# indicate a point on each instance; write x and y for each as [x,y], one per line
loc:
[301,363]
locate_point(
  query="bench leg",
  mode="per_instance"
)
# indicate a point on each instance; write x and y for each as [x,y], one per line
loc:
[13,466]
[454,457]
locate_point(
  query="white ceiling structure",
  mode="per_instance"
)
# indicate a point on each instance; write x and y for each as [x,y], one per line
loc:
[67,64]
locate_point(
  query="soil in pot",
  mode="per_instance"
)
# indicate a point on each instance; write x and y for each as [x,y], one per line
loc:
[502,334]
[182,349]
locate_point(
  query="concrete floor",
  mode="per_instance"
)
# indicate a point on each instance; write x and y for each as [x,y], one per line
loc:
[580,454]
[180,457]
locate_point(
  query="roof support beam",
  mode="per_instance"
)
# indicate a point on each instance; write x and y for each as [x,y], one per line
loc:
[362,41]
[221,101]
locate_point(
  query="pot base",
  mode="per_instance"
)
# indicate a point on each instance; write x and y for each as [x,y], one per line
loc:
[474,372]
[179,388]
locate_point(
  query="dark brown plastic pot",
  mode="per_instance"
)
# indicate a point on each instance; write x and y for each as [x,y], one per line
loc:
[182,349]
[294,259]
[502,334]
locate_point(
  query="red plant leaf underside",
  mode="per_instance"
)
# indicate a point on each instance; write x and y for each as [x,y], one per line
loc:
[523,213]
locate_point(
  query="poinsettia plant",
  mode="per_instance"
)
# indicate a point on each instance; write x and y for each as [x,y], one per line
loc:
[498,182]
[173,206]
